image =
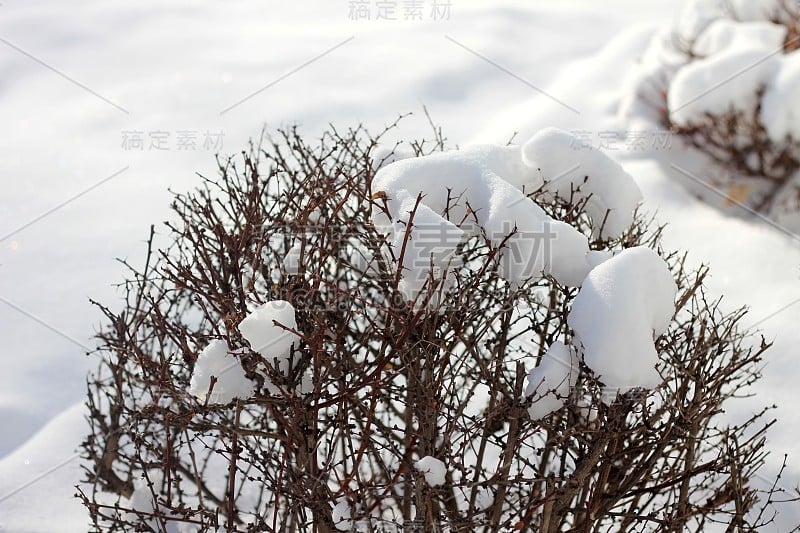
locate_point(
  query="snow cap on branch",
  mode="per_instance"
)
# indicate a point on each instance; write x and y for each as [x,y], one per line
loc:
[265,330]
[216,361]
[484,189]
[584,173]
[724,34]
[433,469]
[551,383]
[622,304]
[779,113]
[341,516]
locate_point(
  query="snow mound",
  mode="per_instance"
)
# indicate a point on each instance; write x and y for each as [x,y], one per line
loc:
[754,9]
[433,469]
[622,304]
[551,382]
[231,383]
[582,172]
[779,113]
[696,16]
[469,187]
[459,181]
[736,54]
[724,34]
[456,194]
[265,330]
[713,66]
[720,83]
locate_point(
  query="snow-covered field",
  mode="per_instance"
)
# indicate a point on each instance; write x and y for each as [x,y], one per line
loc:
[83,83]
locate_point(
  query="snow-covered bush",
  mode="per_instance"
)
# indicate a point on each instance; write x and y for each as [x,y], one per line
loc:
[726,79]
[487,339]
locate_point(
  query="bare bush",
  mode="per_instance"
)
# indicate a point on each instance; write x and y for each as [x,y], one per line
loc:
[738,142]
[755,169]
[377,382]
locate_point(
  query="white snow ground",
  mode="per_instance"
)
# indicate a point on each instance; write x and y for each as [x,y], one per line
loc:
[177,65]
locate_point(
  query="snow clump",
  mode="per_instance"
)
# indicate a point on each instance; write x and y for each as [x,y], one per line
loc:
[456,194]
[265,330]
[433,469]
[719,83]
[551,382]
[341,516]
[779,112]
[584,173]
[484,499]
[734,57]
[216,361]
[623,303]
[725,34]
